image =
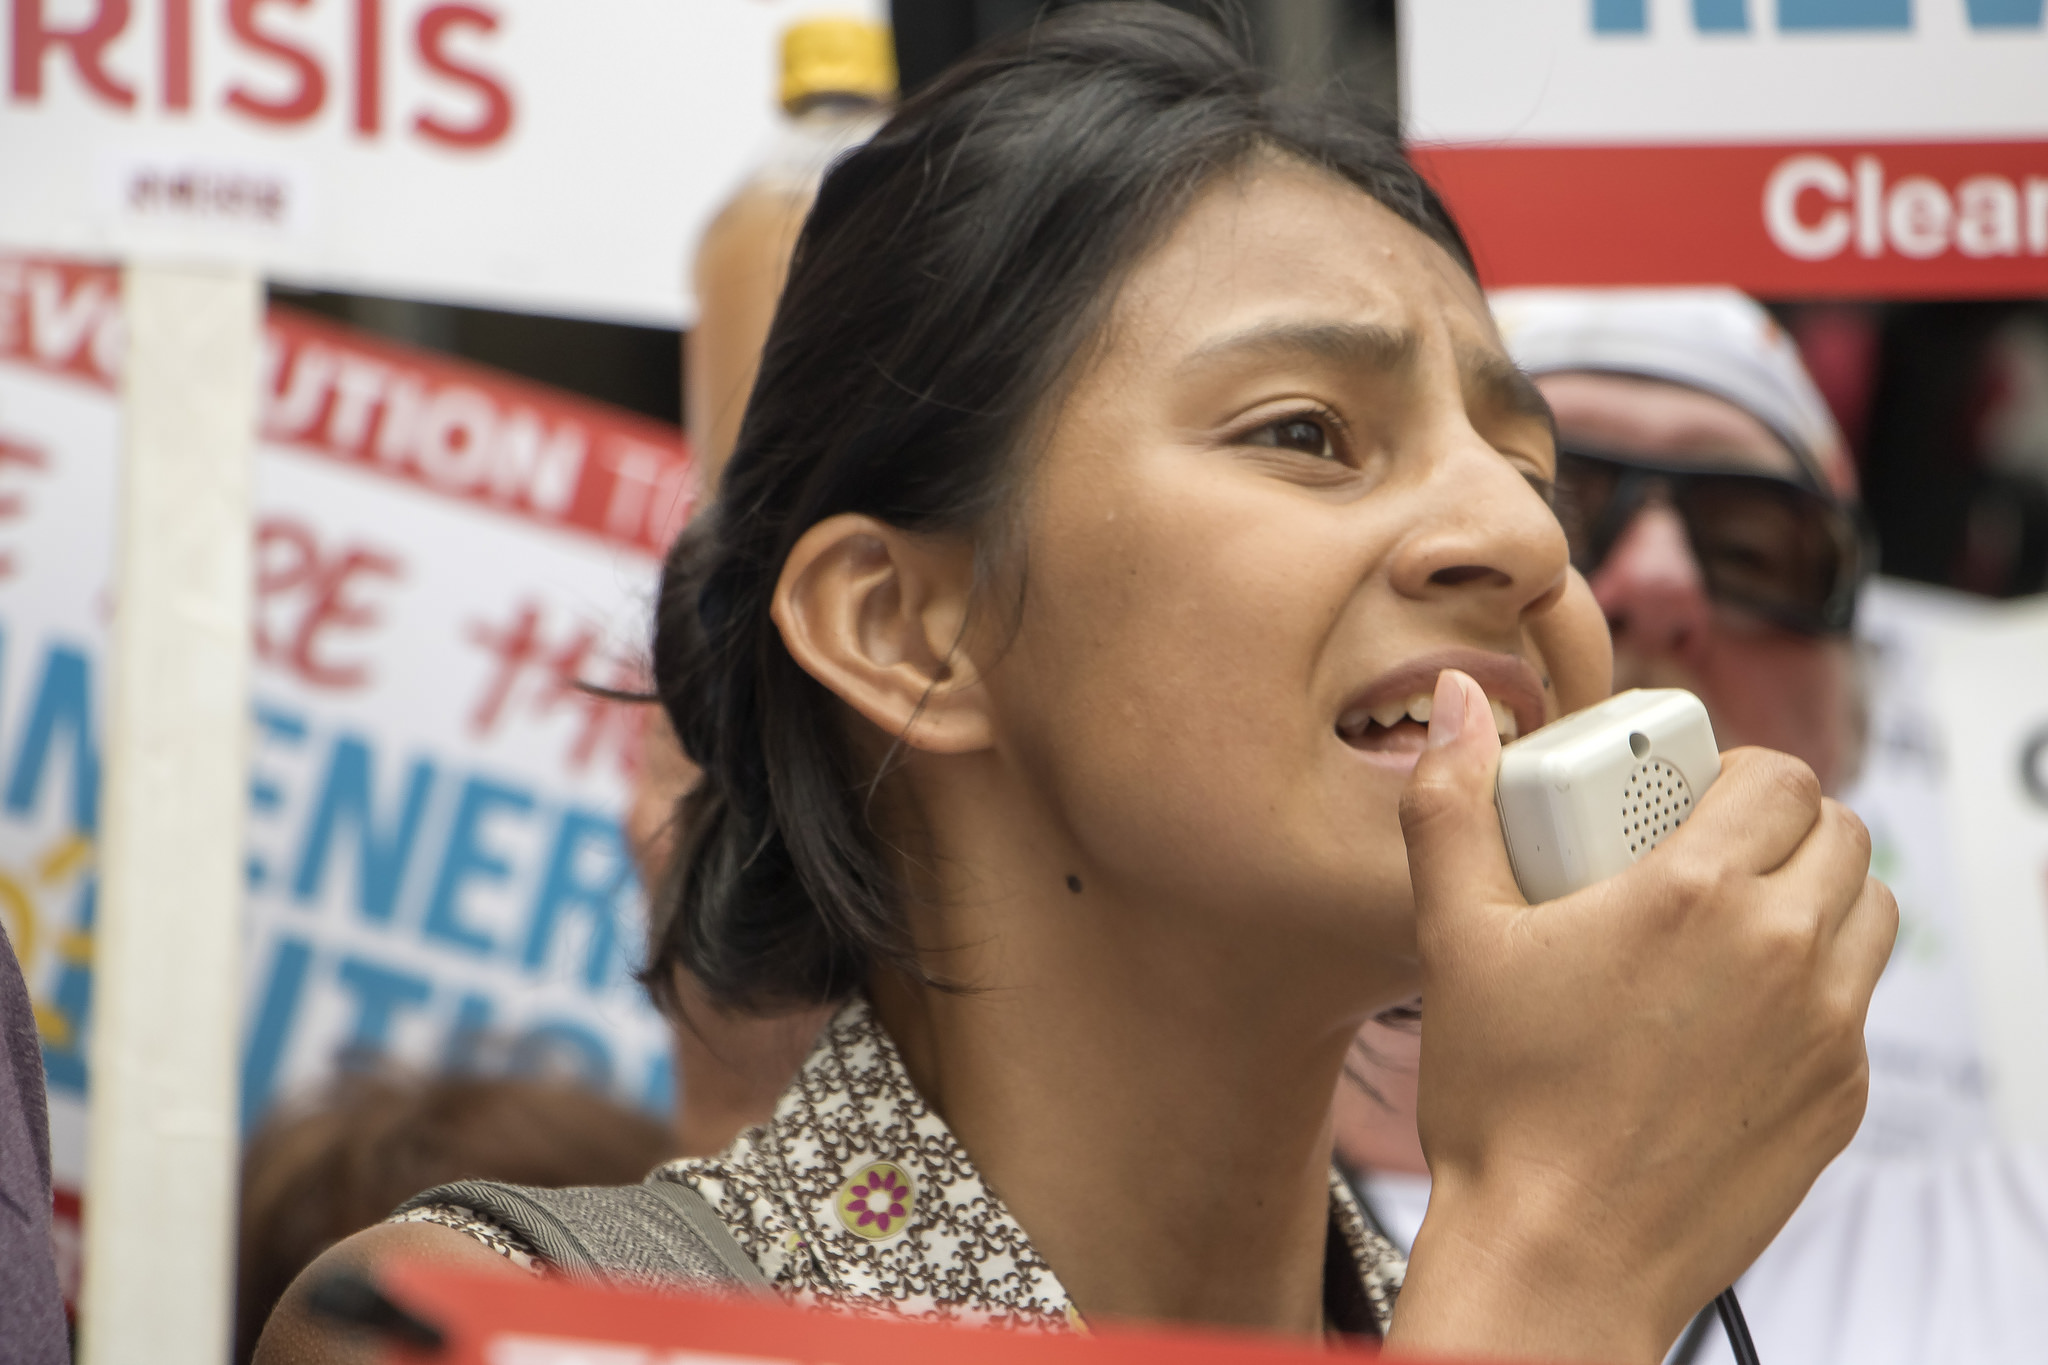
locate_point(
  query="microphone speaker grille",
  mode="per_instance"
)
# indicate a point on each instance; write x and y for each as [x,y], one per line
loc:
[1656,801]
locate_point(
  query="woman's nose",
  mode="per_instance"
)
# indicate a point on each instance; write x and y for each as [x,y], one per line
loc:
[1488,540]
[1651,588]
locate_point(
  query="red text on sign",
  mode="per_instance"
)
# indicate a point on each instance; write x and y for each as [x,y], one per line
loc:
[14,455]
[63,317]
[306,594]
[280,78]
[538,673]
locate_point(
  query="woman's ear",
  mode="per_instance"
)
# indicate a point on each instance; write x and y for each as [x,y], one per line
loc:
[879,615]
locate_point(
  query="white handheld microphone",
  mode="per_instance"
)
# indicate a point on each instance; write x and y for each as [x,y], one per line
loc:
[1586,796]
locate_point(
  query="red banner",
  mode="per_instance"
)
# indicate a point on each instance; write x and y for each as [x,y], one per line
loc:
[467,432]
[1905,220]
[514,1320]
[462,430]
[62,317]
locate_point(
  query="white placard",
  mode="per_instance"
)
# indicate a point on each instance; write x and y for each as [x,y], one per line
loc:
[162,1148]
[523,154]
[434,870]
[1955,792]
[1792,148]
[1991,684]
[1582,71]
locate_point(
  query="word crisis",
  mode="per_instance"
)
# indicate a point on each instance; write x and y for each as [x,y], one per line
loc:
[277,70]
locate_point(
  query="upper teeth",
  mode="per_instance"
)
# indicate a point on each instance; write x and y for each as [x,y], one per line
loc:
[1417,708]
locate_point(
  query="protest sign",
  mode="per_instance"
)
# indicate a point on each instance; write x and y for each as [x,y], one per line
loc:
[1803,148]
[435,870]
[518,154]
[1986,676]
[509,153]
[1955,794]
[1929,1082]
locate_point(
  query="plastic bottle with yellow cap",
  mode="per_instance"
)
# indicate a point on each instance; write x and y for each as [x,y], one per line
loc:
[838,78]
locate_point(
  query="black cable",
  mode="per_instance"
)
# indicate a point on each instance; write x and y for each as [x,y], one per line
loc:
[1739,1343]
[1688,1349]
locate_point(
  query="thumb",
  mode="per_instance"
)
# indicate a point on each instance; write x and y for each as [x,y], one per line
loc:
[1456,855]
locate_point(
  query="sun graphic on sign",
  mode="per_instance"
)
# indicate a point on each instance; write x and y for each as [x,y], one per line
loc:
[20,892]
[877,1201]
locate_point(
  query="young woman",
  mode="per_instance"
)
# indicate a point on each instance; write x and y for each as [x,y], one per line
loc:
[1135,552]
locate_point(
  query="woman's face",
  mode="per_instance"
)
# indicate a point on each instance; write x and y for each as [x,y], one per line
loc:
[1296,477]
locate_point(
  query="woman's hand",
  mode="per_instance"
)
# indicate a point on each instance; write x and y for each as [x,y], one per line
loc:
[1625,1092]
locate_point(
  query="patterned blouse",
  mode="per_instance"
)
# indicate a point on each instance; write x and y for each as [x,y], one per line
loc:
[857,1195]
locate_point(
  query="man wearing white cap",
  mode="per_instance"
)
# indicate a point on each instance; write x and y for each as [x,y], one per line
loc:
[1709,501]
[1707,494]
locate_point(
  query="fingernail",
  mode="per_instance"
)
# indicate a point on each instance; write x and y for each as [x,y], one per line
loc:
[1447,709]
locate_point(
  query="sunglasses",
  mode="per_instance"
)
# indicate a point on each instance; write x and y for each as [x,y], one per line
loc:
[1772,546]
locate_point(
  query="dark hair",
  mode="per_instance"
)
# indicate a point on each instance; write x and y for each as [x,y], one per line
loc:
[949,273]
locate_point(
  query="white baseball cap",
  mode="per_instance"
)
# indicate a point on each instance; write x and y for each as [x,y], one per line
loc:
[1719,341]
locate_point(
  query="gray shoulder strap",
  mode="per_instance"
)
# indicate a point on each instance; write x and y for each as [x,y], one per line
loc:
[660,1232]
[696,1211]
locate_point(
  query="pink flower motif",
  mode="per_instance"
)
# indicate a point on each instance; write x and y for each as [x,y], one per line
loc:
[878,1198]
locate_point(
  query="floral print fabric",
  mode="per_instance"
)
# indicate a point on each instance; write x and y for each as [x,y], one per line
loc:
[853,1130]
[857,1195]
[852,1119]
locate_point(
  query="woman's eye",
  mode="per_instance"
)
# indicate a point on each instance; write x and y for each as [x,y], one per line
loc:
[1305,435]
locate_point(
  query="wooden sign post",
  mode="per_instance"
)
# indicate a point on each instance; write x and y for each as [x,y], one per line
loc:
[163,1134]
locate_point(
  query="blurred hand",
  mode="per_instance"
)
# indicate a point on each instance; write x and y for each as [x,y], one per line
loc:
[1625,1092]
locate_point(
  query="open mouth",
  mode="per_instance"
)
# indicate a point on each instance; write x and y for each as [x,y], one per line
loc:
[1402,727]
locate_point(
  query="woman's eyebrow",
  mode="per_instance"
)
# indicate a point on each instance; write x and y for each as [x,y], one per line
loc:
[1494,381]
[1361,345]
